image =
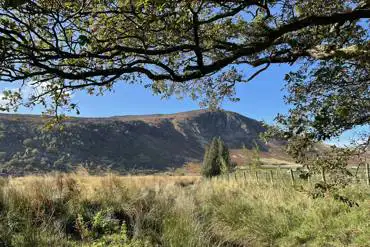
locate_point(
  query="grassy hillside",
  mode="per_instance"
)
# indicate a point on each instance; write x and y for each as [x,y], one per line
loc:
[82,210]
[153,142]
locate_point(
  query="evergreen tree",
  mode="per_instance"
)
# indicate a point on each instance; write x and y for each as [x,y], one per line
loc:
[216,159]
[210,159]
[224,156]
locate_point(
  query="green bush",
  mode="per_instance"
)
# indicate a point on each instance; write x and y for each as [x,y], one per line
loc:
[216,159]
[105,230]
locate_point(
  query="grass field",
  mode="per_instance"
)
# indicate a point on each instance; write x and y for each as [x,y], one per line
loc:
[83,210]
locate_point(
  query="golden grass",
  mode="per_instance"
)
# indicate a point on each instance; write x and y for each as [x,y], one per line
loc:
[147,181]
[184,210]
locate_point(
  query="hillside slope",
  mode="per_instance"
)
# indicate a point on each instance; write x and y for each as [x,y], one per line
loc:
[120,143]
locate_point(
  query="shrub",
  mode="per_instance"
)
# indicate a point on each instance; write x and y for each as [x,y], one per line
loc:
[105,230]
[216,159]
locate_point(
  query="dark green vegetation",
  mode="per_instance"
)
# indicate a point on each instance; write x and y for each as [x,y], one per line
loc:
[216,160]
[119,143]
[122,211]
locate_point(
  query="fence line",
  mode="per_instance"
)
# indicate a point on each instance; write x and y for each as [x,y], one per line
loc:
[286,176]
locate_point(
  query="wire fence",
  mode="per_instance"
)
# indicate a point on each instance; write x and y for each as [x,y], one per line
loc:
[293,176]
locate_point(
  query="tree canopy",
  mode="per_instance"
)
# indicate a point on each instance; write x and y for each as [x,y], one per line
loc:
[198,48]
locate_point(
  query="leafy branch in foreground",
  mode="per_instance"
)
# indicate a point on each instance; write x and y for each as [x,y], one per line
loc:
[332,162]
[49,50]
[195,47]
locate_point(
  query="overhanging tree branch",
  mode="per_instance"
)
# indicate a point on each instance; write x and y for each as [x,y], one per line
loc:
[180,45]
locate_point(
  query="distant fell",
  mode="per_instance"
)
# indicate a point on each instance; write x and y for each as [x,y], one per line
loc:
[121,143]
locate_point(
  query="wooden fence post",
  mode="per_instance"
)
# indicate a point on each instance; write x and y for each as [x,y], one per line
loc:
[271,177]
[256,176]
[367,174]
[323,177]
[235,176]
[292,176]
[245,178]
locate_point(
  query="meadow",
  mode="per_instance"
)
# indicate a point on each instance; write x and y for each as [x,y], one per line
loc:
[111,210]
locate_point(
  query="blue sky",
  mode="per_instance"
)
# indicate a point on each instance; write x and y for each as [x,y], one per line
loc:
[261,99]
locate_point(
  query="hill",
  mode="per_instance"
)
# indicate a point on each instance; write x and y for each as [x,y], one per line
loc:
[123,143]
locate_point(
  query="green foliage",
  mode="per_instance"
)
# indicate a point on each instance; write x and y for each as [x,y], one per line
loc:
[319,158]
[216,159]
[98,48]
[105,230]
[328,99]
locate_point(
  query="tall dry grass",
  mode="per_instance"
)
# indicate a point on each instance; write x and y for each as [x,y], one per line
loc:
[78,209]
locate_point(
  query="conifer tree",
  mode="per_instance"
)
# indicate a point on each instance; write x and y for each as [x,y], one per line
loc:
[216,159]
